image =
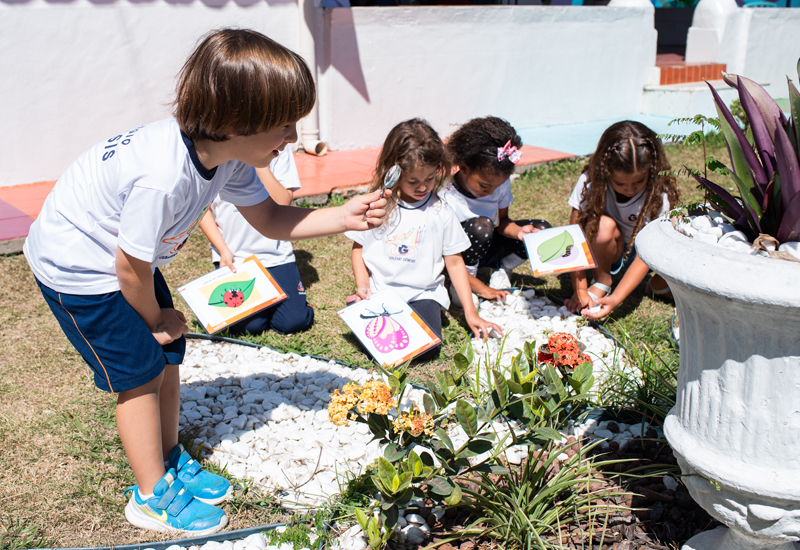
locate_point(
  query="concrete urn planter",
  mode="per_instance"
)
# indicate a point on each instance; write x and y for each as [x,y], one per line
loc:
[735,427]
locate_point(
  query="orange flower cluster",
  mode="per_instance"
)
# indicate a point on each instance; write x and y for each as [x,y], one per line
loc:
[374,397]
[567,349]
[414,422]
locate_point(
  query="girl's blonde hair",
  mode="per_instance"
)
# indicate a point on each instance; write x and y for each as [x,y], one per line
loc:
[627,147]
[411,144]
[238,81]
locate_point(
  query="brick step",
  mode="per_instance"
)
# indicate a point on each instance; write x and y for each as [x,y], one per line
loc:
[674,70]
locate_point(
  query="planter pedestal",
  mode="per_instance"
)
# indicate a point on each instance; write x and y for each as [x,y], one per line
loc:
[735,427]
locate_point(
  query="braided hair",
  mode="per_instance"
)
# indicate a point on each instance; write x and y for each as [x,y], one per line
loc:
[411,144]
[474,146]
[627,147]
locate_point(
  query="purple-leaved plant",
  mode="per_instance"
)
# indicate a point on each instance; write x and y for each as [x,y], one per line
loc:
[766,172]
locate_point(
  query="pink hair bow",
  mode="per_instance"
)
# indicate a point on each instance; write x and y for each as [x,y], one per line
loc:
[508,152]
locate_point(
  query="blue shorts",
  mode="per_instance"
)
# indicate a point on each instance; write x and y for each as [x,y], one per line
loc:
[627,257]
[112,338]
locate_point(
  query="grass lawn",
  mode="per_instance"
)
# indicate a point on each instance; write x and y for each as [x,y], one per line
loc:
[62,469]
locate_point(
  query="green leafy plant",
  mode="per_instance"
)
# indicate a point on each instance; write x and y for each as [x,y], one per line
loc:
[421,459]
[767,172]
[525,508]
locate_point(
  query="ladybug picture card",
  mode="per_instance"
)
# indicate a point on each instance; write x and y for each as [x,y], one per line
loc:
[222,297]
[389,329]
[558,250]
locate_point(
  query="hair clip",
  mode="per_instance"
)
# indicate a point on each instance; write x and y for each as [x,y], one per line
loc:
[508,152]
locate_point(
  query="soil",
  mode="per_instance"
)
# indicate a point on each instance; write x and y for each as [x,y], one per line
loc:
[652,517]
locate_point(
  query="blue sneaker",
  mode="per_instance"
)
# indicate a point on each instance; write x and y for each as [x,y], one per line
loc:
[205,486]
[173,509]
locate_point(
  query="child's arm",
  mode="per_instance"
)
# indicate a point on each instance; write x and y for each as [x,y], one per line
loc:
[483,290]
[511,229]
[580,286]
[460,279]
[209,227]
[634,275]
[287,223]
[136,283]
[361,273]
[278,192]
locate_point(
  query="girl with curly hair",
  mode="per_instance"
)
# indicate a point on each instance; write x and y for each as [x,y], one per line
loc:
[486,151]
[623,188]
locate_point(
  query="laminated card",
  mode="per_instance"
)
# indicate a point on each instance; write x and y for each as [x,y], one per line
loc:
[221,298]
[558,250]
[391,331]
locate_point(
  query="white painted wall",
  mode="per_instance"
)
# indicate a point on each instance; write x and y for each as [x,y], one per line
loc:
[75,72]
[763,44]
[533,65]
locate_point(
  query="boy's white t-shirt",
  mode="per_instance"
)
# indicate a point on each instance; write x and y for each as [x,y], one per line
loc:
[141,191]
[407,253]
[241,238]
[625,214]
[466,208]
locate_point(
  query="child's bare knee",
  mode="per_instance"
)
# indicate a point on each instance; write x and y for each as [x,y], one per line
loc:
[151,387]
[608,230]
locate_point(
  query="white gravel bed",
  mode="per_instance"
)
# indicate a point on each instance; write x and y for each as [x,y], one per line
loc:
[263,414]
[526,317]
[255,541]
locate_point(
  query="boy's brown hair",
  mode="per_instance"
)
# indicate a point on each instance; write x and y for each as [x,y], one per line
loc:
[238,81]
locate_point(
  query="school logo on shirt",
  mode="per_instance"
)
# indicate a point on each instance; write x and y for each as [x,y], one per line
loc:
[405,245]
[633,217]
[180,239]
[300,287]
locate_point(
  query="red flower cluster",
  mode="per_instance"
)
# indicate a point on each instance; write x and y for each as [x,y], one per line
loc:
[563,350]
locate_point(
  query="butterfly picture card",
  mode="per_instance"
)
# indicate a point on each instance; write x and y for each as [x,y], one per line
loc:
[222,297]
[558,250]
[389,329]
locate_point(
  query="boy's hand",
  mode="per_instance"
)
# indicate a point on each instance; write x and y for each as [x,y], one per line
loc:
[481,327]
[226,259]
[365,212]
[170,327]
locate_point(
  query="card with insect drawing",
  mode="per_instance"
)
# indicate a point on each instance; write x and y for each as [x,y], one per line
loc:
[558,250]
[389,329]
[221,298]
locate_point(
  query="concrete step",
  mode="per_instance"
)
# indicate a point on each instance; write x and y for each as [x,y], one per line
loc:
[688,99]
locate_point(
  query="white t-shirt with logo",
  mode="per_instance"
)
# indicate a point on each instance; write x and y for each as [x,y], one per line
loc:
[407,253]
[141,191]
[625,214]
[241,238]
[466,208]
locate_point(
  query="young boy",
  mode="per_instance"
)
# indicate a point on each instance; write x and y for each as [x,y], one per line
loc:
[234,240]
[128,205]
